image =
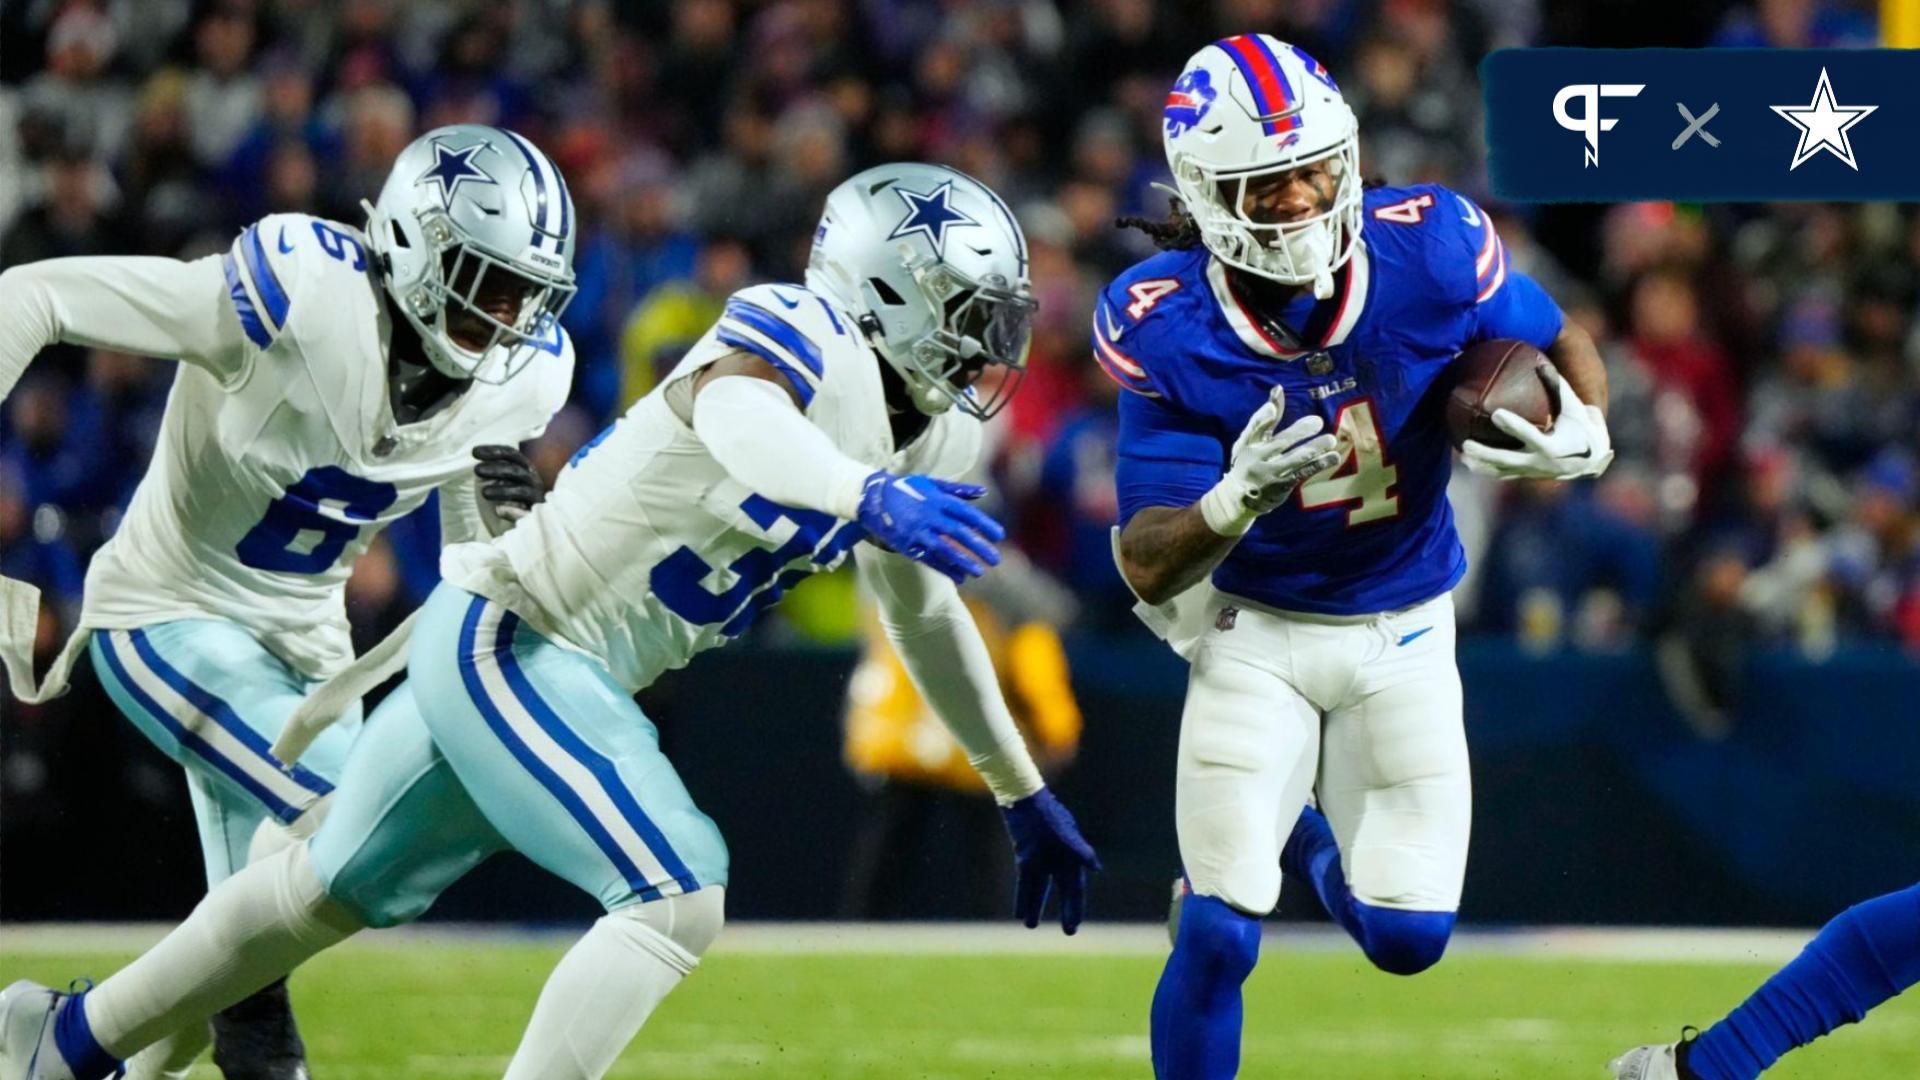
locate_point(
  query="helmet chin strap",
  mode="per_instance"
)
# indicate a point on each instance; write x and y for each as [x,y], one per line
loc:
[1323,284]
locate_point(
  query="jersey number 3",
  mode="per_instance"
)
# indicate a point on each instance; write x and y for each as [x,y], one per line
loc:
[761,576]
[1362,477]
[272,544]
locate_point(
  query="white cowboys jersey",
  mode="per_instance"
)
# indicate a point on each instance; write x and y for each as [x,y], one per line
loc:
[647,552]
[279,459]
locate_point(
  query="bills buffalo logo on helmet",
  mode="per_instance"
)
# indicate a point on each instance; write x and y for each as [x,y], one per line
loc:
[1189,100]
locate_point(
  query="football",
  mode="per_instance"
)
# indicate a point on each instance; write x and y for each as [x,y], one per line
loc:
[1496,375]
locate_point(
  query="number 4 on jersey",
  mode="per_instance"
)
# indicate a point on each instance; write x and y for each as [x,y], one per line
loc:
[1406,211]
[1363,475]
[1148,293]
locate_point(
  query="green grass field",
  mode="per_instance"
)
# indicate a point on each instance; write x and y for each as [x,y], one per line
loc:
[446,1007]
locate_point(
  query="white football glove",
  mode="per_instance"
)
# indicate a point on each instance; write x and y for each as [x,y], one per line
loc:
[1266,466]
[1577,446]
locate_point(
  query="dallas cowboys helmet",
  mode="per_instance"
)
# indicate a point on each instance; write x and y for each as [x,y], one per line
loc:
[473,235]
[1250,107]
[934,266]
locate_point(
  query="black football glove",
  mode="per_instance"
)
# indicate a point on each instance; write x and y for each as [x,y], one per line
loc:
[508,481]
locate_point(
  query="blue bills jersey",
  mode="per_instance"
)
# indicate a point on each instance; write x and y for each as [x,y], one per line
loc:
[1429,278]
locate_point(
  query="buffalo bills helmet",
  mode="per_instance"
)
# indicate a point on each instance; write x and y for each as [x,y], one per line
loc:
[1250,107]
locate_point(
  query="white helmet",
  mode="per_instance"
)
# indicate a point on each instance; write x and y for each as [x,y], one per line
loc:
[934,267]
[465,204]
[1252,106]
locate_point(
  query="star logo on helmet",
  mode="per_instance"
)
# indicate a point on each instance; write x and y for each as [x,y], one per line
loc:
[452,167]
[932,213]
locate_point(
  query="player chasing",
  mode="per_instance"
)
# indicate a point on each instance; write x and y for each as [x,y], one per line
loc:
[806,421]
[330,381]
[1282,479]
[1868,954]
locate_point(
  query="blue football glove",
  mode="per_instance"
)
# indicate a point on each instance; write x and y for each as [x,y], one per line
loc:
[1048,851]
[930,522]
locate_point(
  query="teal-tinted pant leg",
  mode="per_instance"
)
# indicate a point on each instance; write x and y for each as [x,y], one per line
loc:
[401,828]
[558,756]
[212,698]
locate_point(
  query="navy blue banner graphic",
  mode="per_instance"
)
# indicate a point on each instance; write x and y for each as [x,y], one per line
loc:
[1703,125]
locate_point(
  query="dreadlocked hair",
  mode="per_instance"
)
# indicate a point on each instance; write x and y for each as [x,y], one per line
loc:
[1178,231]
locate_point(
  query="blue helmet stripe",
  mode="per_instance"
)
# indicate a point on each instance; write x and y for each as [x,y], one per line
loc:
[539,185]
[566,212]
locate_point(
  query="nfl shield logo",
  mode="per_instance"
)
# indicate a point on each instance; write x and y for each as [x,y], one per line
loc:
[1225,620]
[1319,363]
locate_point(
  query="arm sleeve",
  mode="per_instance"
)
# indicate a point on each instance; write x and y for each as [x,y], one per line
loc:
[753,430]
[947,660]
[147,306]
[461,521]
[1166,457]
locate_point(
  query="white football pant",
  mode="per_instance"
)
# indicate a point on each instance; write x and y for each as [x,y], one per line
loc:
[1363,710]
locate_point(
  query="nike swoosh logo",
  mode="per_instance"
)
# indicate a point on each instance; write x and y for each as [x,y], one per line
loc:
[1466,208]
[284,246]
[791,304]
[1404,638]
[1114,329]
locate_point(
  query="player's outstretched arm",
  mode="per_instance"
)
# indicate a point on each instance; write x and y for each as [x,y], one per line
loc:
[134,304]
[750,419]
[941,648]
[1165,550]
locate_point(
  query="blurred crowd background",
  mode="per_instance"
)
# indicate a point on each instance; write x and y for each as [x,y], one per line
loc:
[1764,360]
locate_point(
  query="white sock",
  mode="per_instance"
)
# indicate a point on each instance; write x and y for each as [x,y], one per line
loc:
[256,926]
[609,983]
[171,1058]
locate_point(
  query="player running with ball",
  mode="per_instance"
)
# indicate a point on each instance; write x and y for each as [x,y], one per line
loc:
[807,421]
[1282,477]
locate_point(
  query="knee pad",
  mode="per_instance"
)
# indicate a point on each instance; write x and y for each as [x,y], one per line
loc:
[302,894]
[1403,942]
[678,929]
[1217,939]
[272,837]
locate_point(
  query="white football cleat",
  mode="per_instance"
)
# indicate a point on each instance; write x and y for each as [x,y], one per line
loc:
[27,1050]
[1646,1063]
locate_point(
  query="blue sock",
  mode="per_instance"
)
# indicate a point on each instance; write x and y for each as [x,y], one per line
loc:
[74,1036]
[1312,853]
[1866,955]
[1398,942]
[1196,1008]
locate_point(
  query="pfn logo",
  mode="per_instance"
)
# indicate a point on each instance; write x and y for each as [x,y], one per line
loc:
[1589,122]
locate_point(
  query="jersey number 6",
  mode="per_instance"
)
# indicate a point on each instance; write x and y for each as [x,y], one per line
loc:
[270,544]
